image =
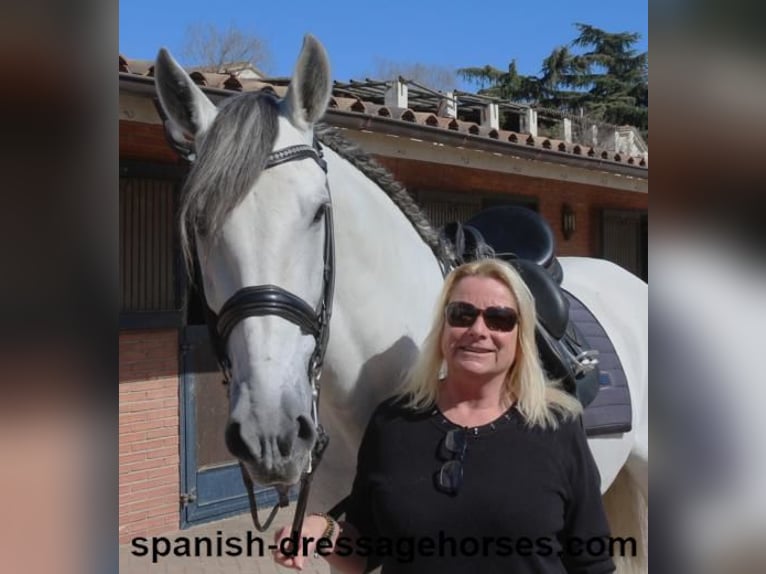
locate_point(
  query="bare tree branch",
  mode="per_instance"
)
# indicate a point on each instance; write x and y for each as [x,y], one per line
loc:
[431,76]
[215,49]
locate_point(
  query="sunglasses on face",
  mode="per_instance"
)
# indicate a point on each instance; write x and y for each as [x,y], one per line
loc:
[450,475]
[462,314]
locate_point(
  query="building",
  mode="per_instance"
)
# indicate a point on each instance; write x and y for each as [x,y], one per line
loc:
[447,149]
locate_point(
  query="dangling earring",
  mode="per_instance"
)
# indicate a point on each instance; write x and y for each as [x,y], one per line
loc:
[443,370]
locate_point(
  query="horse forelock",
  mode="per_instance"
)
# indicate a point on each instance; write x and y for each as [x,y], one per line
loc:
[230,158]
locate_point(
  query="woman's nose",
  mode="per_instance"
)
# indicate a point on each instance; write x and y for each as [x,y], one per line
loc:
[479,326]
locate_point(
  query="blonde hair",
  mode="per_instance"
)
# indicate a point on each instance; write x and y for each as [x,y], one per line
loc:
[539,400]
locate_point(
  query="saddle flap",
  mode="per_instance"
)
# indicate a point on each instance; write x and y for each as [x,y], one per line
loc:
[550,303]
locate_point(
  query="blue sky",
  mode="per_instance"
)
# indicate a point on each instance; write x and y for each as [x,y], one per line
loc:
[357,34]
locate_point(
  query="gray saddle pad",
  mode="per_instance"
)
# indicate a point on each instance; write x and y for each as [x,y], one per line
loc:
[610,412]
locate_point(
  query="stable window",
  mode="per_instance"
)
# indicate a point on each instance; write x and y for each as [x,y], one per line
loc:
[150,270]
[442,207]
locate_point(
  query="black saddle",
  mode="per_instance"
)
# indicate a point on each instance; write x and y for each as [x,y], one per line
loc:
[518,233]
[551,305]
[523,238]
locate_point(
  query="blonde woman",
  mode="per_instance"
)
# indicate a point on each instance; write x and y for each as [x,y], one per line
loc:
[480,463]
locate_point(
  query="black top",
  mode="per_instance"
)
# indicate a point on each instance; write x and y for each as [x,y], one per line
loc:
[529,500]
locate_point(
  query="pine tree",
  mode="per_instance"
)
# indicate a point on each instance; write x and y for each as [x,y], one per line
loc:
[608,81]
[614,75]
[508,85]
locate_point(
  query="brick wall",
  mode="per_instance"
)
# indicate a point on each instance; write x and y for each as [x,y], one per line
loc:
[586,200]
[149,433]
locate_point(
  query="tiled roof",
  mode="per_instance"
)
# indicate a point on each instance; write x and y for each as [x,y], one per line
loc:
[341,100]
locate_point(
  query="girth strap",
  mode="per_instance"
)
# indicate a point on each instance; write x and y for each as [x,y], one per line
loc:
[262,300]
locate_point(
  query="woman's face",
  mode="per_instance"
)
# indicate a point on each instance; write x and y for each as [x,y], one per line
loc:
[477,350]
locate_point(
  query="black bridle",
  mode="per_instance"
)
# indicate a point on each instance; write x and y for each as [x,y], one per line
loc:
[262,300]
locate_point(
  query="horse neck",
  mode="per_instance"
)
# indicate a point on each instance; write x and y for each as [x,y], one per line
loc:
[387,283]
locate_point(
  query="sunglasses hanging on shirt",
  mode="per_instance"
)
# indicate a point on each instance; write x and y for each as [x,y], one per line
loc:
[450,475]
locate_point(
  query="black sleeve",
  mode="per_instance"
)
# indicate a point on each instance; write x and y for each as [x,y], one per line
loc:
[586,531]
[359,506]
[358,509]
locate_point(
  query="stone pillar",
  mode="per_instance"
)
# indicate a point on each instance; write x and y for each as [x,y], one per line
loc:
[396,95]
[490,116]
[630,146]
[567,130]
[447,106]
[529,122]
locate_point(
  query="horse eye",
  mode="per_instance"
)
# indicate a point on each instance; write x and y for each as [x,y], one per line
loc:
[318,215]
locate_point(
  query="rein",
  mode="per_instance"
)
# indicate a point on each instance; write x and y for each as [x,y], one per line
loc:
[263,300]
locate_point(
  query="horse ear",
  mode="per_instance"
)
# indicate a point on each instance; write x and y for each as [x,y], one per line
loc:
[182,100]
[311,86]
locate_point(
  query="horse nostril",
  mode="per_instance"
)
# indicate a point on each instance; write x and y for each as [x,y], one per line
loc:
[284,445]
[235,444]
[305,429]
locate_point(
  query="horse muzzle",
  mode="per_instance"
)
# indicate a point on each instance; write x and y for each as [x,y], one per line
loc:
[272,458]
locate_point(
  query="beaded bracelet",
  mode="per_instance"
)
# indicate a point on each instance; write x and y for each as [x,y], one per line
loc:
[331,525]
[329,530]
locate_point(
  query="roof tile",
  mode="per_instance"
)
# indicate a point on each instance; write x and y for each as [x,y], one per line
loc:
[234,83]
[372,109]
[342,103]
[405,114]
[426,119]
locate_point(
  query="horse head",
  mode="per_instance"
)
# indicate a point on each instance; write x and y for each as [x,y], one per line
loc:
[253,218]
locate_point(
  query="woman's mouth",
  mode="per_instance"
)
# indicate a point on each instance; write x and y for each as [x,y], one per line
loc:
[477,350]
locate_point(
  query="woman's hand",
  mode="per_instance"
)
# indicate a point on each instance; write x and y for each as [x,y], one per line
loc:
[291,557]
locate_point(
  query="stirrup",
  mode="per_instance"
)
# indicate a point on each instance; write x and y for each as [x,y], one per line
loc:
[586,361]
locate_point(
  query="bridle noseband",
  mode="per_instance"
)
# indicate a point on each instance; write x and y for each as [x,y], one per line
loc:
[263,300]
